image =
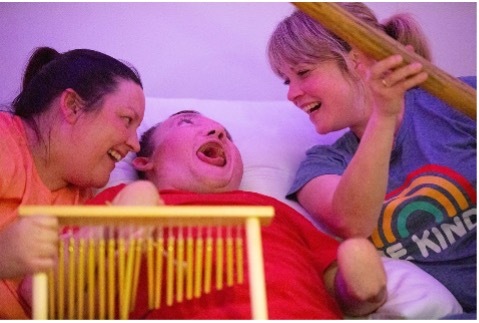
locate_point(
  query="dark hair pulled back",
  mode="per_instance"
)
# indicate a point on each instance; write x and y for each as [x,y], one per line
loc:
[91,74]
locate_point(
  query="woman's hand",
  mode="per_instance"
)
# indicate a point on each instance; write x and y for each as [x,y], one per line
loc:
[389,81]
[28,245]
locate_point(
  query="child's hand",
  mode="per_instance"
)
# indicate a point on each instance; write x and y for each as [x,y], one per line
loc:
[362,270]
[139,193]
[28,245]
[360,278]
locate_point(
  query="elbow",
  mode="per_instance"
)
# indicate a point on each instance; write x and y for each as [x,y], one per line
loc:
[353,223]
[347,227]
[351,231]
[362,306]
[340,221]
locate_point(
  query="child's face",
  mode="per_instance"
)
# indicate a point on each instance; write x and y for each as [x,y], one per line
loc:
[195,153]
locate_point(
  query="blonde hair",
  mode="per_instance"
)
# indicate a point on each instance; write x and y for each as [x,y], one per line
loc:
[301,39]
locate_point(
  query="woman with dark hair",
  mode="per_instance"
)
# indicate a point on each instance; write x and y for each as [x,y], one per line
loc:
[75,117]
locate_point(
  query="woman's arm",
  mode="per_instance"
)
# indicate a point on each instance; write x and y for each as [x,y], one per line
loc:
[350,204]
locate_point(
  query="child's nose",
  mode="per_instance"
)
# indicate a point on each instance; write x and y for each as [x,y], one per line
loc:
[218,133]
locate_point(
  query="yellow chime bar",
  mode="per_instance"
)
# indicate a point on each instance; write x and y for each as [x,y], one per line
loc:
[159,269]
[189,263]
[150,261]
[170,269]
[102,278]
[180,260]
[111,276]
[199,250]
[208,261]
[219,259]
[81,277]
[239,257]
[229,258]
[91,268]
[172,215]
[136,270]
[61,276]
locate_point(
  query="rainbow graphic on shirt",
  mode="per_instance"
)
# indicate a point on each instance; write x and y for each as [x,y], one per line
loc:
[434,200]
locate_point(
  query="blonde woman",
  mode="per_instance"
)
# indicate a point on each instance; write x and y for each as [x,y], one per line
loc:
[405,173]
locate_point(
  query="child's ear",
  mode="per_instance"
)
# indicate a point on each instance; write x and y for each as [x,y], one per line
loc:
[70,105]
[142,164]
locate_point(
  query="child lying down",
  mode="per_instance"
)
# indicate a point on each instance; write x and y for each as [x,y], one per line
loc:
[192,160]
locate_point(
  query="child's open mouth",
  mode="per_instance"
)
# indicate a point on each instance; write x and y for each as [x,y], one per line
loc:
[212,153]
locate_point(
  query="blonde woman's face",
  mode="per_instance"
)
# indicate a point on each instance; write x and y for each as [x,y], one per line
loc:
[325,94]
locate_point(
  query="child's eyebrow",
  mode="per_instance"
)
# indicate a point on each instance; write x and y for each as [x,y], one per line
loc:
[191,112]
[228,135]
[185,115]
[195,114]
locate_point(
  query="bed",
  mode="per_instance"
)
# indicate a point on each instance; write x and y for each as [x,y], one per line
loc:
[273,137]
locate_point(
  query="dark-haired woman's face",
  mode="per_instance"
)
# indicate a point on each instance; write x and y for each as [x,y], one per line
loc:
[103,137]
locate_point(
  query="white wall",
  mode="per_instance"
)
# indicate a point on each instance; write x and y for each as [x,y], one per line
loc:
[201,50]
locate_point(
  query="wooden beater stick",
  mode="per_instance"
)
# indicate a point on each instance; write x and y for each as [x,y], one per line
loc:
[379,45]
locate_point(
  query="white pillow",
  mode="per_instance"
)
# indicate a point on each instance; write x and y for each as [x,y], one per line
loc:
[273,137]
[414,294]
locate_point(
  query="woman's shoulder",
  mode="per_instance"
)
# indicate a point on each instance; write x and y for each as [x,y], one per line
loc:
[13,132]
[6,117]
[12,127]
[469,80]
[10,123]
[420,102]
[346,144]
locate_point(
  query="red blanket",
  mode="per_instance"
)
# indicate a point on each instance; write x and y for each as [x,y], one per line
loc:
[295,256]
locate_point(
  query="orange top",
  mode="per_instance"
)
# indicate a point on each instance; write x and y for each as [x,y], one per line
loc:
[20,184]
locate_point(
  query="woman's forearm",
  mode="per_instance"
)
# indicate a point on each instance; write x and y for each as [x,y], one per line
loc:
[361,190]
